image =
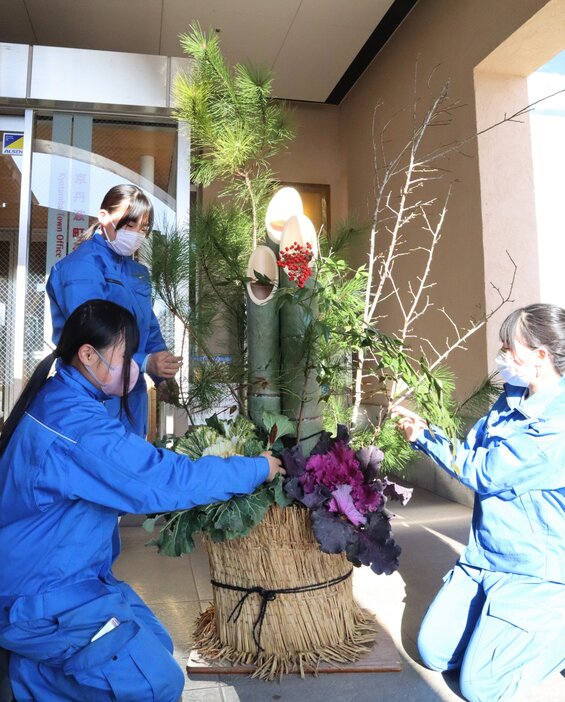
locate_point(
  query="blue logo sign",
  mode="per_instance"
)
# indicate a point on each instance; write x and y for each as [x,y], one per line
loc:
[13,143]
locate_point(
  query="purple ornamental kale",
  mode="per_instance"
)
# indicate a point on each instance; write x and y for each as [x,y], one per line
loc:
[293,488]
[294,461]
[327,441]
[317,498]
[332,533]
[374,546]
[394,491]
[339,467]
[342,502]
[336,467]
[370,459]
[346,499]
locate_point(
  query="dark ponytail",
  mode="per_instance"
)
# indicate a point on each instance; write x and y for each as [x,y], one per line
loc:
[34,384]
[101,324]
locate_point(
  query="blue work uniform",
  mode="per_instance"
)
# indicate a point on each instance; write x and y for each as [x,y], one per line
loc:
[68,471]
[500,616]
[95,271]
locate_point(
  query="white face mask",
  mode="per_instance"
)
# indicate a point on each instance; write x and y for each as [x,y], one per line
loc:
[512,372]
[126,243]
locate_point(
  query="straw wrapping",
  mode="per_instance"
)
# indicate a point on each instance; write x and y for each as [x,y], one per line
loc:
[269,595]
[299,631]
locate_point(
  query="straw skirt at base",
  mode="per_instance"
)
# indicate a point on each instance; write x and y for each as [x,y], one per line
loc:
[298,628]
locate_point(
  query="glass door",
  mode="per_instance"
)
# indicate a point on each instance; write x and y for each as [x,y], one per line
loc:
[77,158]
[11,139]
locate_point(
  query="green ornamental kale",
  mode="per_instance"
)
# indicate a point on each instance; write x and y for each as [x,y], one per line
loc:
[232,519]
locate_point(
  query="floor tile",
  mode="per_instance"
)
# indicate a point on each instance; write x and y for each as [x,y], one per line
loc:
[157,578]
[179,619]
[206,695]
[430,531]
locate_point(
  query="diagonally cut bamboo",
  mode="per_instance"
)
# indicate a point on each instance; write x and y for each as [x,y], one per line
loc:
[263,343]
[300,230]
[285,203]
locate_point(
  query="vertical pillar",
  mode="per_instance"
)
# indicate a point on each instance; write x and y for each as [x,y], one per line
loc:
[23,255]
[79,205]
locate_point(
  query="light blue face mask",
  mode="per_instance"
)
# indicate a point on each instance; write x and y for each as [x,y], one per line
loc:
[511,372]
[115,386]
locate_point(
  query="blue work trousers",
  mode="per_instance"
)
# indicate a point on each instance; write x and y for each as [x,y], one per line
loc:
[505,632]
[131,663]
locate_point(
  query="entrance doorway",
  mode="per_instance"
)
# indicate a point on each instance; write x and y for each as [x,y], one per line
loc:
[50,191]
[11,136]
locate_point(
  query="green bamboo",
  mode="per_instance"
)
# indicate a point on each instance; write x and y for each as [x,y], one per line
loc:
[301,390]
[263,344]
[300,396]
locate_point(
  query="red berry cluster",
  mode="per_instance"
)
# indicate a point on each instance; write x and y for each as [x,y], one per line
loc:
[295,260]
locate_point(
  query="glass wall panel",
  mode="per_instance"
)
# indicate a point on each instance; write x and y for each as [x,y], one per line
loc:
[10,180]
[76,160]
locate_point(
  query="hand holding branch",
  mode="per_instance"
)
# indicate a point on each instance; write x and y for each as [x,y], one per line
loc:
[163,364]
[409,422]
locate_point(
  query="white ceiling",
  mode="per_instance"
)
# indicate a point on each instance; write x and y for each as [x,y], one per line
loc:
[308,44]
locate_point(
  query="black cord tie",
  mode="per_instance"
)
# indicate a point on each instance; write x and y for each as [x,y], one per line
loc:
[269,596]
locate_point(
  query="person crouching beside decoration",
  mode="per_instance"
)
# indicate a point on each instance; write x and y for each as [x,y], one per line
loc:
[67,468]
[500,616]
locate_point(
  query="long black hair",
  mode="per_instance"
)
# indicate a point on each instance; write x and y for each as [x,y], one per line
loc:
[537,325]
[101,324]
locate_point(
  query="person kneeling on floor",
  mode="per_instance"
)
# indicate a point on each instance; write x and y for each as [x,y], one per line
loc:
[500,616]
[67,469]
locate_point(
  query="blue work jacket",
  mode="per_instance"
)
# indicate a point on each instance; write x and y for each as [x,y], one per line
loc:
[70,469]
[94,271]
[514,460]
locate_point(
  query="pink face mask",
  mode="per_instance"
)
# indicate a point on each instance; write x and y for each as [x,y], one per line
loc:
[115,386]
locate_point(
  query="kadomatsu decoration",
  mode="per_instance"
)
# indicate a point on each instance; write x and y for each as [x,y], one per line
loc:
[272,552]
[279,327]
[266,563]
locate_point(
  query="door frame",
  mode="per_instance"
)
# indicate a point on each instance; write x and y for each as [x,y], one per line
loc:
[22,124]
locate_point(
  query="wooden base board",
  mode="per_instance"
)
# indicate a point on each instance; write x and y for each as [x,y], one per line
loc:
[382,658]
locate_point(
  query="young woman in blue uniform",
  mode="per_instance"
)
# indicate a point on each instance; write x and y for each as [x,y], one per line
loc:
[66,470]
[500,616]
[103,267]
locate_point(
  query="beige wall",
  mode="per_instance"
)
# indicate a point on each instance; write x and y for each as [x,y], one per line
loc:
[452,38]
[456,40]
[509,228]
[313,156]
[514,210]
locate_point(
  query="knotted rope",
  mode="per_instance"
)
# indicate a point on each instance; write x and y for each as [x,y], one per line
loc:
[269,595]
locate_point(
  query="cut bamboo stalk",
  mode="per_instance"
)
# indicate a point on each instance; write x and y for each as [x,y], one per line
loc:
[300,396]
[300,230]
[285,203]
[263,341]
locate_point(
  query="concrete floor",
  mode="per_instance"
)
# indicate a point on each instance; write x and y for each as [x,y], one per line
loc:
[431,531]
